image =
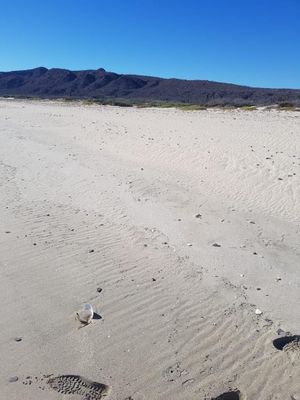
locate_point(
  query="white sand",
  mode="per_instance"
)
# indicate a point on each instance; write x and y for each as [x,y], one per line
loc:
[178,320]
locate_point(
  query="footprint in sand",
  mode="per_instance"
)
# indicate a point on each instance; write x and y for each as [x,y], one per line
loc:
[76,384]
[72,385]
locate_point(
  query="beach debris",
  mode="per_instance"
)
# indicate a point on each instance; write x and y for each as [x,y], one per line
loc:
[258,311]
[13,379]
[231,395]
[280,331]
[86,314]
[289,342]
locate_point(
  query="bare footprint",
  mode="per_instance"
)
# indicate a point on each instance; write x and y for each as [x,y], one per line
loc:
[76,384]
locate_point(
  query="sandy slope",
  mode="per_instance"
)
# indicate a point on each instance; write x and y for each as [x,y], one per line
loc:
[105,197]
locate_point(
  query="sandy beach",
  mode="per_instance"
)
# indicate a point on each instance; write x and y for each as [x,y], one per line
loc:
[180,228]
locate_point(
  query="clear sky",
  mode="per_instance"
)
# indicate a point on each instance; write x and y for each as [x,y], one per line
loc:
[253,42]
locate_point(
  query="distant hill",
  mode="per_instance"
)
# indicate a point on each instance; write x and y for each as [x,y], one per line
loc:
[100,84]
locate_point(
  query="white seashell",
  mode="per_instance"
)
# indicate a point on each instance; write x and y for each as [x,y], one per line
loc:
[258,311]
[86,314]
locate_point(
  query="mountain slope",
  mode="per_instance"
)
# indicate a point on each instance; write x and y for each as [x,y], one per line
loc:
[55,82]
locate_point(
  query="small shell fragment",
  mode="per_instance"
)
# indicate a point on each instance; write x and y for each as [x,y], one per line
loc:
[258,311]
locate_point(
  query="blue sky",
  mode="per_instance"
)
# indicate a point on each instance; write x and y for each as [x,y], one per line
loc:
[253,42]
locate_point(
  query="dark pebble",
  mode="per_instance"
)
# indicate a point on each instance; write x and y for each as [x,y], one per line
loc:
[91,251]
[99,289]
[13,379]
[216,245]
[18,339]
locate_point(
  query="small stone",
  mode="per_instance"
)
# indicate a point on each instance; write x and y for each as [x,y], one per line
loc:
[198,216]
[216,245]
[91,251]
[13,379]
[251,222]
[278,279]
[258,311]
[34,244]
[189,244]
[153,279]
[254,253]
[145,245]
[258,288]
[99,289]
[18,339]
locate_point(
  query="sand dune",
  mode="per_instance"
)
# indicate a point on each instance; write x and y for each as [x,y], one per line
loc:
[176,226]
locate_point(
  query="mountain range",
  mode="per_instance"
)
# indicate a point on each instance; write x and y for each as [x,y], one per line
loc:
[100,84]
